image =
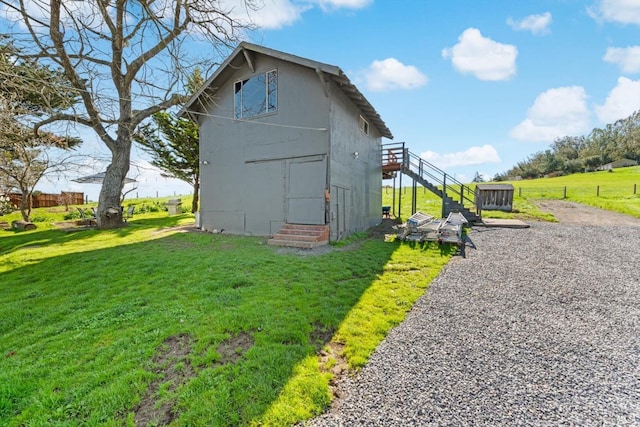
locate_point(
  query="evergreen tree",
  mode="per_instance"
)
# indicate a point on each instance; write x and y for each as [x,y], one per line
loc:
[176,152]
[28,91]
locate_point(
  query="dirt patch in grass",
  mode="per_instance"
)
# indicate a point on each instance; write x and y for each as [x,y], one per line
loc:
[172,366]
[331,359]
[330,355]
[232,349]
[321,335]
[387,226]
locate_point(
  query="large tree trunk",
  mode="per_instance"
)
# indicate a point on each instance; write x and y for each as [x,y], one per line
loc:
[109,210]
[196,195]
[26,204]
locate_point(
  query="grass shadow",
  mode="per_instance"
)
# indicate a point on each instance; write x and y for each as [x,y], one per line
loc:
[81,330]
[12,240]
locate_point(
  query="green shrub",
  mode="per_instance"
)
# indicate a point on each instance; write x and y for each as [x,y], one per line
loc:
[152,207]
[72,215]
[41,218]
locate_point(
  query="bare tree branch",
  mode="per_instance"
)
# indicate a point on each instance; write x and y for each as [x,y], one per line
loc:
[126,59]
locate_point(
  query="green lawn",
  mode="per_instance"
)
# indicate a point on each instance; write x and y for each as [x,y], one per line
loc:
[120,326]
[618,190]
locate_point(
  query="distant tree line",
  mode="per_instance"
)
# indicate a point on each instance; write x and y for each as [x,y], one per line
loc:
[572,154]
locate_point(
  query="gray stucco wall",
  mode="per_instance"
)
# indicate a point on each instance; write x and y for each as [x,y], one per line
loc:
[244,184]
[356,180]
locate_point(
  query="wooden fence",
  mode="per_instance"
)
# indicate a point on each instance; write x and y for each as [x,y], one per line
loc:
[584,191]
[44,200]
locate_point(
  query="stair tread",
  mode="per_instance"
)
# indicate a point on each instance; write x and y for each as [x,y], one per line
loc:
[301,236]
[297,243]
[300,232]
[297,237]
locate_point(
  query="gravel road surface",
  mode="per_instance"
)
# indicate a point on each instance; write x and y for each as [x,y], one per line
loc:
[537,326]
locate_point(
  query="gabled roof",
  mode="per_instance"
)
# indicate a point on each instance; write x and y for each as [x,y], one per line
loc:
[245,54]
[494,187]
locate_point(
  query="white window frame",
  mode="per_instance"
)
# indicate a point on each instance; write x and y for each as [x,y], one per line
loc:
[268,109]
[363,124]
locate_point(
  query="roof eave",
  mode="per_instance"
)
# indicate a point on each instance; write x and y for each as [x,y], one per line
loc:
[343,82]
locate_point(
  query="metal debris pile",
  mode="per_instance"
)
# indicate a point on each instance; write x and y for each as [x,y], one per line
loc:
[421,227]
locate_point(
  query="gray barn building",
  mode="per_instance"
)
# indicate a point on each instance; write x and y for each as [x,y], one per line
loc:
[284,139]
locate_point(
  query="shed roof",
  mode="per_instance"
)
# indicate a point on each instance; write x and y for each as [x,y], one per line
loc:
[494,187]
[245,52]
[623,161]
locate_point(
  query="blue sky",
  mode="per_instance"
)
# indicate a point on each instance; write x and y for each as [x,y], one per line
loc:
[471,86]
[475,85]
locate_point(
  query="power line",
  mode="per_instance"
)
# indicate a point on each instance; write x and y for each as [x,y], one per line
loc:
[255,122]
[114,98]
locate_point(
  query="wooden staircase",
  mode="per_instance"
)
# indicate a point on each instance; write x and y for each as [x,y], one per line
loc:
[454,194]
[301,236]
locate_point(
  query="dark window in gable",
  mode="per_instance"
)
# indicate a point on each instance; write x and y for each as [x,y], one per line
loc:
[256,95]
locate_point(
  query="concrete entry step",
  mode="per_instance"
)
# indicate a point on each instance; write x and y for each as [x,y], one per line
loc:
[502,223]
[301,236]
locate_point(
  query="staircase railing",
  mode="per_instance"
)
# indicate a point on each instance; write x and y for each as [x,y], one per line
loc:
[410,162]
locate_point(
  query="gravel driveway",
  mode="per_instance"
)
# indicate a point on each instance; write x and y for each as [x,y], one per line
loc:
[537,326]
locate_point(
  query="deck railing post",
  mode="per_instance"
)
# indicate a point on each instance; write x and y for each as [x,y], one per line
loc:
[414,199]
[444,184]
[393,197]
[400,196]
[444,193]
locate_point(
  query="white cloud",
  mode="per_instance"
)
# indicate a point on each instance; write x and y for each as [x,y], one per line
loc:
[275,14]
[265,14]
[628,58]
[621,102]
[622,11]
[484,58]
[472,156]
[537,24]
[346,4]
[390,73]
[555,113]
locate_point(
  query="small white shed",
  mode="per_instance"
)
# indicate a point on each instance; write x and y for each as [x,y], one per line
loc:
[497,197]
